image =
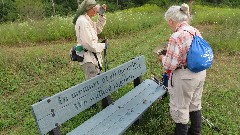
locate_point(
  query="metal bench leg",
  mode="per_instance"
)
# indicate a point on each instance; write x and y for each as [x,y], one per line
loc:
[136,82]
[138,121]
[55,131]
[106,101]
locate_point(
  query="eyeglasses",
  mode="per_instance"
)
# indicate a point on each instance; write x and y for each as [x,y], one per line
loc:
[95,9]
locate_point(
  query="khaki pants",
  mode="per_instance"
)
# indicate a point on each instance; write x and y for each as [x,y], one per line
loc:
[185,89]
[90,70]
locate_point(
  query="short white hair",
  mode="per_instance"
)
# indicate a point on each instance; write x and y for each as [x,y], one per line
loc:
[178,13]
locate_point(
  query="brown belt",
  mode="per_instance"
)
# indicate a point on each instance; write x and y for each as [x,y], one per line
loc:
[182,67]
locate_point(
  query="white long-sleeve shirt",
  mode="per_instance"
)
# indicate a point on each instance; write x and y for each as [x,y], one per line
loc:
[86,33]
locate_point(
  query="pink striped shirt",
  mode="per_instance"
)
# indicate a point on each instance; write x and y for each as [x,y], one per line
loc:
[178,46]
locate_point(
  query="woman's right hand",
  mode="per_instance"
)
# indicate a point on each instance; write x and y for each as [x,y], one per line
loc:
[104,6]
[160,57]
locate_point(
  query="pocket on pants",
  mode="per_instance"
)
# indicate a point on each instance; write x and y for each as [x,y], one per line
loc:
[188,81]
[173,90]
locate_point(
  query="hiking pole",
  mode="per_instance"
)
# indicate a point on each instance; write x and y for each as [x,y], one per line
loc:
[213,127]
[190,11]
[107,100]
[105,55]
[190,7]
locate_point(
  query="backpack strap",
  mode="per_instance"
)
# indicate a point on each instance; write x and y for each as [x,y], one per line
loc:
[191,33]
[188,29]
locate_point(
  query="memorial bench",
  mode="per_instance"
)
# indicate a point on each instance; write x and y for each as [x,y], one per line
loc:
[116,118]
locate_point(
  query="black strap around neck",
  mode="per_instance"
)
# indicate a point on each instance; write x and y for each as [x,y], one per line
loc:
[99,66]
[95,55]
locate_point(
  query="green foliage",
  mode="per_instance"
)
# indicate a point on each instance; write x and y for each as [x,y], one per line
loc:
[50,29]
[232,3]
[161,3]
[223,25]
[116,24]
[48,10]
[66,7]
[57,27]
[29,9]
[8,11]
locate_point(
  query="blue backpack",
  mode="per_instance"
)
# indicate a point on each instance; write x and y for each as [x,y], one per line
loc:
[200,55]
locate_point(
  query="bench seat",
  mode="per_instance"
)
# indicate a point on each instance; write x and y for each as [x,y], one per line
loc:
[119,116]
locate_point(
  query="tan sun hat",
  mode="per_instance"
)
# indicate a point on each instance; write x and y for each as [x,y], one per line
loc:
[86,5]
[83,8]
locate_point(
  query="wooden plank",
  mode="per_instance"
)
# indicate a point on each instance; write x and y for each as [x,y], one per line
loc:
[59,108]
[124,111]
[97,119]
[120,126]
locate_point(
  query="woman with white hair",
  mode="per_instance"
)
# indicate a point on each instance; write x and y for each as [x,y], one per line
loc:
[185,87]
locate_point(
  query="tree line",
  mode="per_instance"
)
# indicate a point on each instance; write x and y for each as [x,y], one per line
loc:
[21,10]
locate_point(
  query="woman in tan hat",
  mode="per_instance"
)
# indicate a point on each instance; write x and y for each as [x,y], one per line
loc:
[86,33]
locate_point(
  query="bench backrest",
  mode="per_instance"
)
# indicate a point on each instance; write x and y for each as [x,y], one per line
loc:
[55,110]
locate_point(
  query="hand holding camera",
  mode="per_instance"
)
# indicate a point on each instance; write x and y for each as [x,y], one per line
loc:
[161,49]
[102,9]
[106,43]
[162,52]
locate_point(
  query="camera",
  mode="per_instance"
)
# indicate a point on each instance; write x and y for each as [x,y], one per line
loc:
[101,11]
[162,52]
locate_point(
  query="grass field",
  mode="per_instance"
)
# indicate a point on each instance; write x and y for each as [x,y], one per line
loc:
[32,70]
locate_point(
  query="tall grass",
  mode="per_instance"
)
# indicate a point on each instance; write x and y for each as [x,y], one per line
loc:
[56,28]
[223,23]
[50,29]
[132,20]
